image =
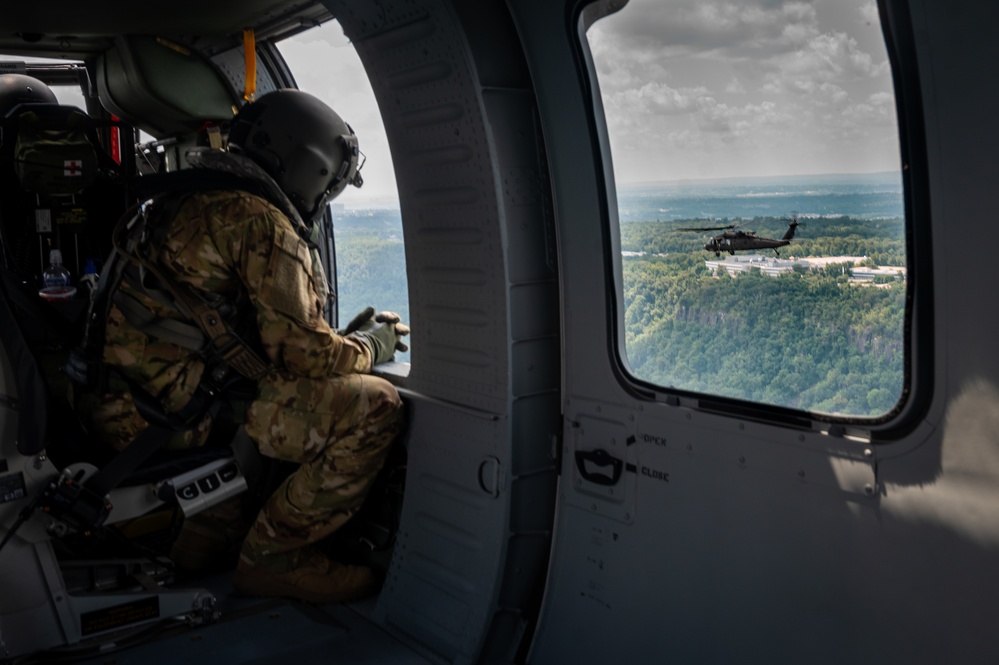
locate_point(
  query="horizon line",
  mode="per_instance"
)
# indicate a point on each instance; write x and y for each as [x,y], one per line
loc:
[392,202]
[694,181]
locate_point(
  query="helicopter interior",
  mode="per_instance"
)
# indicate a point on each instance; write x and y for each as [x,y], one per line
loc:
[172,87]
[556,507]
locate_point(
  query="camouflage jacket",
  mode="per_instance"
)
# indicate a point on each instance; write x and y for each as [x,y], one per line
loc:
[235,244]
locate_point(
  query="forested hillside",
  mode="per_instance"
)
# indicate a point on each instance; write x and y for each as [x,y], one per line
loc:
[810,339]
[807,339]
[371,264]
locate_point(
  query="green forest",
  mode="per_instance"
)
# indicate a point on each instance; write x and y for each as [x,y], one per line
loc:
[371,265]
[809,339]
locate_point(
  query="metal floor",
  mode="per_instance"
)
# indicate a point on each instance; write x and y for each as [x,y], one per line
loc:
[254,630]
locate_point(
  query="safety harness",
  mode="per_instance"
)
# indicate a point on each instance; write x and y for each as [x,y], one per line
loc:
[211,326]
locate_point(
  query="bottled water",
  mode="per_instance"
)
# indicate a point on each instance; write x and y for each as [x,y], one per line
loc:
[56,274]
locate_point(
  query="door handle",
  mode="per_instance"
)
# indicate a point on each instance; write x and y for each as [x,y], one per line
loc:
[608,468]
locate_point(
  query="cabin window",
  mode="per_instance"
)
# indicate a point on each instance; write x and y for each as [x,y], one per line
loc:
[70,95]
[731,124]
[370,254]
[58,74]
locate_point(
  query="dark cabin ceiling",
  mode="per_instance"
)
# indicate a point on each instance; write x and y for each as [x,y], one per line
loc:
[75,29]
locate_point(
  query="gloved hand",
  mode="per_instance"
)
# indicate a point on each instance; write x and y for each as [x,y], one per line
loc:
[359,320]
[381,334]
[394,321]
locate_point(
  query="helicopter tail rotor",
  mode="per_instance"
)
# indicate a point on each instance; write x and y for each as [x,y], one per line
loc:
[793,219]
[791,227]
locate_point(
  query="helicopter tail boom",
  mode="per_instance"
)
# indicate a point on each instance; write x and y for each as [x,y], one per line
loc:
[790,230]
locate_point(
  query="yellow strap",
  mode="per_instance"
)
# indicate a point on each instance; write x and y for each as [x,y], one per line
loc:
[250,52]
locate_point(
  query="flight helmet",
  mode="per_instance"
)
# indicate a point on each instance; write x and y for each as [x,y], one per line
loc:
[300,142]
[22,89]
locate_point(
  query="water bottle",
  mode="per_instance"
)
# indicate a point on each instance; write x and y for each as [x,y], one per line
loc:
[56,274]
[55,280]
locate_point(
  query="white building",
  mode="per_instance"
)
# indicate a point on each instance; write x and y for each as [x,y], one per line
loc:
[865,274]
[773,266]
[769,265]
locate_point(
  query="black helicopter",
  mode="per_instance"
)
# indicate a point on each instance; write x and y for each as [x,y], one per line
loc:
[732,241]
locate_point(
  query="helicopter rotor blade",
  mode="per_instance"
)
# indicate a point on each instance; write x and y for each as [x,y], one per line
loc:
[710,228]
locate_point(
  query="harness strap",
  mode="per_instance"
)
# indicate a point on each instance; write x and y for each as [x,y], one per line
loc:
[149,440]
[226,344]
[250,60]
[84,366]
[211,336]
[162,426]
[140,278]
[138,451]
[233,350]
[175,332]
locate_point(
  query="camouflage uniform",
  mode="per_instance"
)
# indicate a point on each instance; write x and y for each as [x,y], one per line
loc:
[317,406]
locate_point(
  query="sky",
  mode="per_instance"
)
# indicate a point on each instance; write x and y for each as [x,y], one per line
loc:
[700,89]
[692,89]
[325,64]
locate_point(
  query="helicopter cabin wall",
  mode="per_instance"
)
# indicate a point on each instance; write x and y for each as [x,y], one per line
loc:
[482,391]
[692,533]
[482,394]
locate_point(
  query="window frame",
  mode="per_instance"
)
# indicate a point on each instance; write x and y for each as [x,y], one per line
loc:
[918,371]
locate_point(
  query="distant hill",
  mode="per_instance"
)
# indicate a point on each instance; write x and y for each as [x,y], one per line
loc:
[881,177]
[859,195]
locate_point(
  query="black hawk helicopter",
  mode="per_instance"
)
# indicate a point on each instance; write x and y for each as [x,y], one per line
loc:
[732,241]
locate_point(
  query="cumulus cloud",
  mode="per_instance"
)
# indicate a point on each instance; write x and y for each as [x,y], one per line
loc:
[827,57]
[878,109]
[725,25]
[737,85]
[659,98]
[868,13]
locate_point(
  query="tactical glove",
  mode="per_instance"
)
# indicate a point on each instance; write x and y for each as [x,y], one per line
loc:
[381,334]
[394,321]
[359,320]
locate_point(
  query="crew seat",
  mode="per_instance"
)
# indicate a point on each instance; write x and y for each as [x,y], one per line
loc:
[46,464]
[60,190]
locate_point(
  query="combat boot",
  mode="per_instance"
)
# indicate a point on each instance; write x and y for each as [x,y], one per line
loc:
[315,579]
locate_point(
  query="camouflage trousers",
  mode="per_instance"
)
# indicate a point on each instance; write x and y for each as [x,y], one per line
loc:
[339,432]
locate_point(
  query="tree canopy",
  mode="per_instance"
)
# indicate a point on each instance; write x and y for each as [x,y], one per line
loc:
[807,339]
